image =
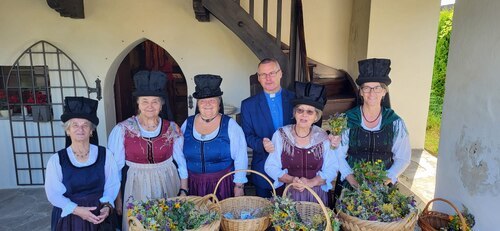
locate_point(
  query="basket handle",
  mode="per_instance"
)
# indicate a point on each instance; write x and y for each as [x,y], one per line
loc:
[243,170]
[462,219]
[320,202]
[133,221]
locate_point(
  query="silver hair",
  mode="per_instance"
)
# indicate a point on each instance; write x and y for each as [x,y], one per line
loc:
[162,101]
[67,124]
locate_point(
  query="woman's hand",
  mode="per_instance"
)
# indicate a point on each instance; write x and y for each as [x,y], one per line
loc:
[298,187]
[352,181]
[334,140]
[104,212]
[268,145]
[239,190]
[86,214]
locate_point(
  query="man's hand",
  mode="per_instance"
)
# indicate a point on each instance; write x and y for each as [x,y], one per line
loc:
[268,145]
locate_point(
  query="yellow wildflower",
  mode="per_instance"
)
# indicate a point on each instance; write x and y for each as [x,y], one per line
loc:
[177,205]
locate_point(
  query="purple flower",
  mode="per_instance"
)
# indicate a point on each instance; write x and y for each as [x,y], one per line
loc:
[130,206]
[372,218]
[139,217]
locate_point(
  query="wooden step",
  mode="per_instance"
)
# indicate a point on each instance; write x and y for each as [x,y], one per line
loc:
[338,105]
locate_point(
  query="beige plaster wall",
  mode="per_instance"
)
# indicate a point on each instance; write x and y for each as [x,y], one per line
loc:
[468,170]
[326,25]
[358,35]
[405,32]
[112,28]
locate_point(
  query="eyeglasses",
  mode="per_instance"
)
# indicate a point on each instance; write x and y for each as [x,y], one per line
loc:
[301,111]
[377,89]
[271,74]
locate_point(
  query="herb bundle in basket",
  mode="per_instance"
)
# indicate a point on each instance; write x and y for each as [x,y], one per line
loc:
[177,214]
[286,216]
[373,200]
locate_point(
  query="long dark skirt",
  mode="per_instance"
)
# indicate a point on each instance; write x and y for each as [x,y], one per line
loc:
[74,222]
[204,183]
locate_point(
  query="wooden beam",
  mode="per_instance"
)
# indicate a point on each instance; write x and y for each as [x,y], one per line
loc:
[261,43]
[200,12]
[68,8]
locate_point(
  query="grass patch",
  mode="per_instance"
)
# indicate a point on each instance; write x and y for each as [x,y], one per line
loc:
[432,133]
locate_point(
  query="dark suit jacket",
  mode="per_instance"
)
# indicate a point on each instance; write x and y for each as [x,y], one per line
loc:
[257,123]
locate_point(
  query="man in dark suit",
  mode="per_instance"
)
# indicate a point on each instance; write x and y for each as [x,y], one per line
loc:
[261,115]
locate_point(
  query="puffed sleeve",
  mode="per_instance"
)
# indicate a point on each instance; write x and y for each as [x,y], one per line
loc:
[401,149]
[116,143]
[112,182]
[273,166]
[54,188]
[238,147]
[330,166]
[179,154]
[341,154]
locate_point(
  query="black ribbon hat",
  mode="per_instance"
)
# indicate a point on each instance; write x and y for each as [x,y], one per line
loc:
[310,94]
[80,107]
[374,70]
[207,86]
[150,83]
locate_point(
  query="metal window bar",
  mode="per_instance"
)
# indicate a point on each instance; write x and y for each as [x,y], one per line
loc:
[35,133]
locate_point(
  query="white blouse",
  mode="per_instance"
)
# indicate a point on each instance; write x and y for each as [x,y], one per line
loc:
[237,143]
[116,143]
[400,148]
[54,188]
[274,167]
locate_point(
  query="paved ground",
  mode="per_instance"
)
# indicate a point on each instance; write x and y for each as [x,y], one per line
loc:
[28,208]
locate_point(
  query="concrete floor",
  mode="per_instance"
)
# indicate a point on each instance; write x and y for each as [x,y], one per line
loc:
[24,209]
[28,208]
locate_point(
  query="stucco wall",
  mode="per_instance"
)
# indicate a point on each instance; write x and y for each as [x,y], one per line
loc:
[326,24]
[468,168]
[358,35]
[112,28]
[405,32]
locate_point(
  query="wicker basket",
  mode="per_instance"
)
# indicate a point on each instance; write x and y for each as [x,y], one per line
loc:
[307,209]
[208,202]
[350,223]
[433,220]
[237,204]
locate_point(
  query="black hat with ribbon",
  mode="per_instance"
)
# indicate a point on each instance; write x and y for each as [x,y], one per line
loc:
[374,70]
[80,107]
[207,86]
[310,94]
[150,83]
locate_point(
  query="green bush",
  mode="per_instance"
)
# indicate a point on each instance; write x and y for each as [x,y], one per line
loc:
[438,81]
[440,61]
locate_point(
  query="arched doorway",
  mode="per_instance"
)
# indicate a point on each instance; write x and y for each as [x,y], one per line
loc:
[149,56]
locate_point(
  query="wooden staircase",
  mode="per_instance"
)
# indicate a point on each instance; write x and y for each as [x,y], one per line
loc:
[296,66]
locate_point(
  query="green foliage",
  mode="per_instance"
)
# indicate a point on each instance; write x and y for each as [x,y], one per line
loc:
[432,133]
[285,216]
[374,200]
[174,215]
[438,81]
[441,61]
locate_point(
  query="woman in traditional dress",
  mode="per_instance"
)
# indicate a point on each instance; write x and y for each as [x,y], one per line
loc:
[145,146]
[375,132]
[81,180]
[301,152]
[214,144]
